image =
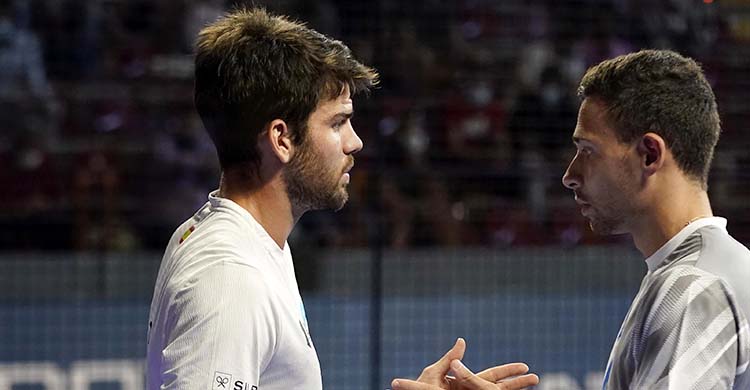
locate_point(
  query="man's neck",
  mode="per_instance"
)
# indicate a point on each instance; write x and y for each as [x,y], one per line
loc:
[667,217]
[266,201]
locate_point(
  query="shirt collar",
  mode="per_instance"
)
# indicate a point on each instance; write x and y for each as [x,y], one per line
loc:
[219,202]
[658,257]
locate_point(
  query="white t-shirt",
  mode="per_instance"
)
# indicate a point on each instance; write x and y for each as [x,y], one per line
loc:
[226,312]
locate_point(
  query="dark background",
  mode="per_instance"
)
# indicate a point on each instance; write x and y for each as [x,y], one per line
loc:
[458,224]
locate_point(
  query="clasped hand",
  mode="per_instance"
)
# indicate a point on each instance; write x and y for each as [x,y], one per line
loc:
[435,376]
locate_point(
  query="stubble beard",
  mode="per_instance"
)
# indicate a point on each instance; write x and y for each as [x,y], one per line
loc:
[611,217]
[609,224]
[311,185]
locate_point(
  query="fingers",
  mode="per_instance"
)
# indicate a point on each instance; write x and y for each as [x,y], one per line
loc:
[468,380]
[440,368]
[456,352]
[405,384]
[520,382]
[516,370]
[495,374]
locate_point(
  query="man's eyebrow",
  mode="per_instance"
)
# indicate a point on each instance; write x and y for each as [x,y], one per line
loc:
[343,115]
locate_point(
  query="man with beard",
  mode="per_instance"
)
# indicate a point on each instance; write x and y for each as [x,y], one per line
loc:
[645,138]
[276,99]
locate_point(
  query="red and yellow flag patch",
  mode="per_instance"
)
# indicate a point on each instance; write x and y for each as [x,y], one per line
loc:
[187,234]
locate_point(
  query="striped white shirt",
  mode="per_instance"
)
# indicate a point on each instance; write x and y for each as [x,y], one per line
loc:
[687,327]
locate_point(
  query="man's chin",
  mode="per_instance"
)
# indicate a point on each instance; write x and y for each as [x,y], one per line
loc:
[335,202]
[605,229]
[340,201]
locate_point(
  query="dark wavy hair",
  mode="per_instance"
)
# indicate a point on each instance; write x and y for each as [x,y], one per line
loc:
[252,67]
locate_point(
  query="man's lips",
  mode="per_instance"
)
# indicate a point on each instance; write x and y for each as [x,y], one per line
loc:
[580,201]
[582,205]
[346,175]
[349,167]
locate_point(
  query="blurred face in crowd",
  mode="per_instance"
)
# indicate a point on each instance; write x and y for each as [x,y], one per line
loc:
[604,173]
[317,176]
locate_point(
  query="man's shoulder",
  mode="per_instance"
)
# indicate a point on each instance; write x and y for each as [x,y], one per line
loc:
[727,259]
[211,224]
[682,274]
[215,234]
[199,246]
[673,290]
[721,250]
[710,255]
[206,274]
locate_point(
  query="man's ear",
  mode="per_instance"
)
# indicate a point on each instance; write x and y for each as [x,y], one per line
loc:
[652,150]
[278,139]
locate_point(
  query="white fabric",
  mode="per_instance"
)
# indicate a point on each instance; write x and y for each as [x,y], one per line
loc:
[661,254]
[226,312]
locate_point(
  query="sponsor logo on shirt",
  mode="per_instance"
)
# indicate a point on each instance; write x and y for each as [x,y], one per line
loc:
[221,380]
[239,385]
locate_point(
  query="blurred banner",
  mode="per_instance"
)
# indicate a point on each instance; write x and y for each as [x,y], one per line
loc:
[556,309]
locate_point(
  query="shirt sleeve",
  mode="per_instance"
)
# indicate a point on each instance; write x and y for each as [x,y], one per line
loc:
[220,330]
[690,337]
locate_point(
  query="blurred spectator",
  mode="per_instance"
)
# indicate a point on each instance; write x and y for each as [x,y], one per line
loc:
[130,36]
[509,223]
[602,41]
[687,27]
[71,31]
[540,125]
[412,70]
[32,196]
[184,168]
[22,69]
[475,122]
[415,200]
[545,116]
[31,184]
[98,221]
[26,98]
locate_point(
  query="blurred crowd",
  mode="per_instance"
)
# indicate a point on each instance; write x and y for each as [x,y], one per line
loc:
[465,141]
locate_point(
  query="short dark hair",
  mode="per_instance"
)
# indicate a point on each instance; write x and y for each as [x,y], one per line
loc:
[252,67]
[663,92]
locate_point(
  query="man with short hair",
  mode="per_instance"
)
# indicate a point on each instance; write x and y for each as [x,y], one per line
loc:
[645,138]
[276,99]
